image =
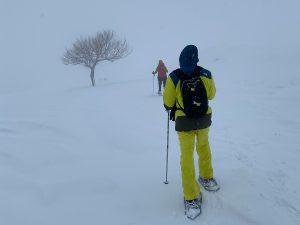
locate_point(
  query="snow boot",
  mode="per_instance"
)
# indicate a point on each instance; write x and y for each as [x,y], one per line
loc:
[193,207]
[209,184]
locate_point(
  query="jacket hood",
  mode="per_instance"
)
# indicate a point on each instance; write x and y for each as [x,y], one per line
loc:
[188,59]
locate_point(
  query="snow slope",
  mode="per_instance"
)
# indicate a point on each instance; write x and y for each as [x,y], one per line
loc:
[74,154]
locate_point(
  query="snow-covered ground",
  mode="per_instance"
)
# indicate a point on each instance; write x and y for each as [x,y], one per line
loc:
[74,154]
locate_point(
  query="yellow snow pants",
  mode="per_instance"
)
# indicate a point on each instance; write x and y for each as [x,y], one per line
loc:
[191,188]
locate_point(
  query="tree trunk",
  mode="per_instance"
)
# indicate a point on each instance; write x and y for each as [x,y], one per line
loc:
[92,75]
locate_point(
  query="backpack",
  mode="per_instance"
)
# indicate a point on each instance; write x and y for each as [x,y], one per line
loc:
[161,70]
[193,92]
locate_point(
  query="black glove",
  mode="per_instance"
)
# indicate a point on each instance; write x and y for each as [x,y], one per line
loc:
[172,113]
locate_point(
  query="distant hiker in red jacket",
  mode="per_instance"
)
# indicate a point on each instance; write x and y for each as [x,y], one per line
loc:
[161,71]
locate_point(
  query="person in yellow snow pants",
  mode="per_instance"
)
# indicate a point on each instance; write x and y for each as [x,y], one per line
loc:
[187,94]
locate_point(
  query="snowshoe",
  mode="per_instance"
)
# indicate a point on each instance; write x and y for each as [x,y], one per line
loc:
[193,207]
[209,184]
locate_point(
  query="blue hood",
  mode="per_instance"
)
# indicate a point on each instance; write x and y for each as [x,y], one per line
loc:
[188,59]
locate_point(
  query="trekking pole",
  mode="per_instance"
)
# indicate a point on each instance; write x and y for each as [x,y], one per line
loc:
[153,84]
[166,182]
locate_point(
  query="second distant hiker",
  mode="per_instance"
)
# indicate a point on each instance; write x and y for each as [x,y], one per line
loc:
[161,71]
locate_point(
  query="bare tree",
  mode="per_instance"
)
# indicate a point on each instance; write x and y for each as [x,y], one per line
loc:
[93,50]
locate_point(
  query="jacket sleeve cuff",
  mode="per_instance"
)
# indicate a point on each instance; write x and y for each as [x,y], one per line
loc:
[167,107]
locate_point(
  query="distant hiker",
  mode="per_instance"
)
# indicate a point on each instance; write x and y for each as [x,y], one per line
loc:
[161,71]
[186,94]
